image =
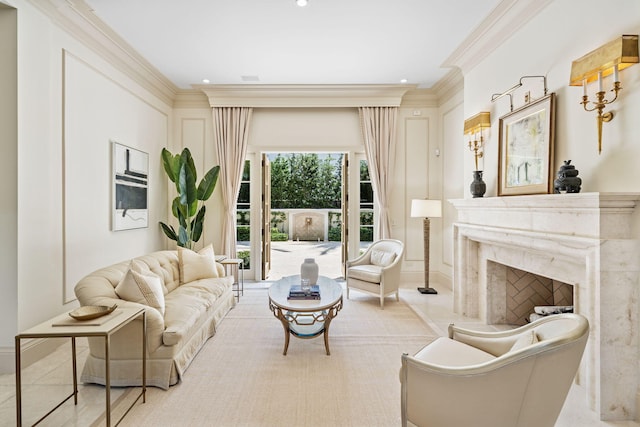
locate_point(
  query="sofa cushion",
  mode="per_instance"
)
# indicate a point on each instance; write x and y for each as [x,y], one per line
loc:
[366,272]
[142,288]
[196,265]
[184,308]
[447,352]
[382,258]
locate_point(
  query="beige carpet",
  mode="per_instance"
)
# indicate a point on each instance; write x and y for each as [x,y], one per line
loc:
[241,378]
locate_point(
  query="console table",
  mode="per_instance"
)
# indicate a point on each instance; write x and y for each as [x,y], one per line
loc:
[63,326]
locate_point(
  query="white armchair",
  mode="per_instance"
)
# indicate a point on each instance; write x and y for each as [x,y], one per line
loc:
[377,271]
[515,378]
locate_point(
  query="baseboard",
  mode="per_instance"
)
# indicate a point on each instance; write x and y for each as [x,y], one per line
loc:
[32,351]
[435,278]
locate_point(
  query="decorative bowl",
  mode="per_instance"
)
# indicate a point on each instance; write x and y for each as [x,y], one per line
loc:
[89,312]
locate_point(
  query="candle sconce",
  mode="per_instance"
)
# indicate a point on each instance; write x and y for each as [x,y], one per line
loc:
[608,59]
[473,127]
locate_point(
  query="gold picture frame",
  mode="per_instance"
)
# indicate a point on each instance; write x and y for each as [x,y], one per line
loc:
[525,155]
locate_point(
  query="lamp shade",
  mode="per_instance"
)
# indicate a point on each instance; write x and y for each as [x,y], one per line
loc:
[478,122]
[622,52]
[424,208]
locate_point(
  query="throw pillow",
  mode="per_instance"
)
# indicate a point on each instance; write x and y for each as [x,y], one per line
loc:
[525,340]
[142,268]
[143,289]
[196,265]
[382,258]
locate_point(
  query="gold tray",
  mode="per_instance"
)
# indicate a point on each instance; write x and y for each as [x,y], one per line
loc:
[89,312]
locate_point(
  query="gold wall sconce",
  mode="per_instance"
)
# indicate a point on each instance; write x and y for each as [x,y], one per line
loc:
[473,128]
[608,59]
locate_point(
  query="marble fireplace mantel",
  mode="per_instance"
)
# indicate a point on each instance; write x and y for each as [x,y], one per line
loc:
[582,239]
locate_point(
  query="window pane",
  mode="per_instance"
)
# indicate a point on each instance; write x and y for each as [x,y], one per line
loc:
[246,173]
[244,197]
[364,171]
[366,195]
[243,217]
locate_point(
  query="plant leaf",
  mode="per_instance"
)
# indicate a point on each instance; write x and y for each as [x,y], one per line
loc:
[175,205]
[182,217]
[187,188]
[197,225]
[208,183]
[169,231]
[171,164]
[187,159]
[183,238]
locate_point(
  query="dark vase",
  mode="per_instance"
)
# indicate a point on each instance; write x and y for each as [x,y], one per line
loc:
[478,186]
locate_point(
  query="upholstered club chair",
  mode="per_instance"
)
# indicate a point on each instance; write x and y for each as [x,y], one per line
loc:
[516,378]
[377,270]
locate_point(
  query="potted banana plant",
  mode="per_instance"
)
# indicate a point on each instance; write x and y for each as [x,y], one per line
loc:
[188,207]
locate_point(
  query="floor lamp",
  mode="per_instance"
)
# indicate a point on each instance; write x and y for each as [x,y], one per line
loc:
[426,209]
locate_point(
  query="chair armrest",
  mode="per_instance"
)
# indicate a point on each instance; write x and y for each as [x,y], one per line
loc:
[363,259]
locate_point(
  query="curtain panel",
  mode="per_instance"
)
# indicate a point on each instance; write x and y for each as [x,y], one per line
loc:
[379,132]
[230,135]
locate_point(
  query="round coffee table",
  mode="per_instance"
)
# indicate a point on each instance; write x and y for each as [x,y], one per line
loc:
[304,318]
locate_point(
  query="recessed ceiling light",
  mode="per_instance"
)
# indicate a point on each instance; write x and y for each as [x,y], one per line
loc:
[404,81]
[301,3]
[250,78]
[205,81]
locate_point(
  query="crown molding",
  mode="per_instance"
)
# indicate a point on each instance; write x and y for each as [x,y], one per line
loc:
[77,18]
[420,98]
[191,98]
[304,95]
[449,85]
[508,17]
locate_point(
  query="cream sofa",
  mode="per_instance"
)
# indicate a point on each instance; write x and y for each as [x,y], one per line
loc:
[515,378]
[180,317]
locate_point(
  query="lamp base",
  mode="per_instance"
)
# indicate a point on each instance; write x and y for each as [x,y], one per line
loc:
[429,291]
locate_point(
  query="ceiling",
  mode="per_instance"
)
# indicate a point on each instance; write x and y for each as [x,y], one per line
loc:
[277,42]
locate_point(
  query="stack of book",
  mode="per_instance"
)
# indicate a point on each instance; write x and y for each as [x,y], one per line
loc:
[296,292]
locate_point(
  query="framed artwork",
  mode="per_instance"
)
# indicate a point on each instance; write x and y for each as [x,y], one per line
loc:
[130,188]
[526,149]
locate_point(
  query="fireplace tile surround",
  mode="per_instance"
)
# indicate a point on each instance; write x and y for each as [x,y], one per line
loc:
[585,240]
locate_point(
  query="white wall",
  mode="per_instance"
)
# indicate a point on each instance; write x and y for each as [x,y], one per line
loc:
[8,171]
[546,45]
[452,176]
[70,104]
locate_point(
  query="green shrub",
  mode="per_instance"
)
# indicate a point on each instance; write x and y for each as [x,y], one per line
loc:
[279,237]
[335,234]
[246,257]
[366,234]
[243,233]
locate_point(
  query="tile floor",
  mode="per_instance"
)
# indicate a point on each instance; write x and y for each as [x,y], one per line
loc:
[47,381]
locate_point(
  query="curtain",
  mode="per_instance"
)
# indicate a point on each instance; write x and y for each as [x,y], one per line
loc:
[379,133]
[230,132]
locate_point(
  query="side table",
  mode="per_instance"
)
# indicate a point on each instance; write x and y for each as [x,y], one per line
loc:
[63,326]
[237,267]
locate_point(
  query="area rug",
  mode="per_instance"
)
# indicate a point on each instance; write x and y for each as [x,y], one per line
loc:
[241,378]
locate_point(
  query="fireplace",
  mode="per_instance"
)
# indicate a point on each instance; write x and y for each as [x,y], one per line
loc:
[524,291]
[583,241]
